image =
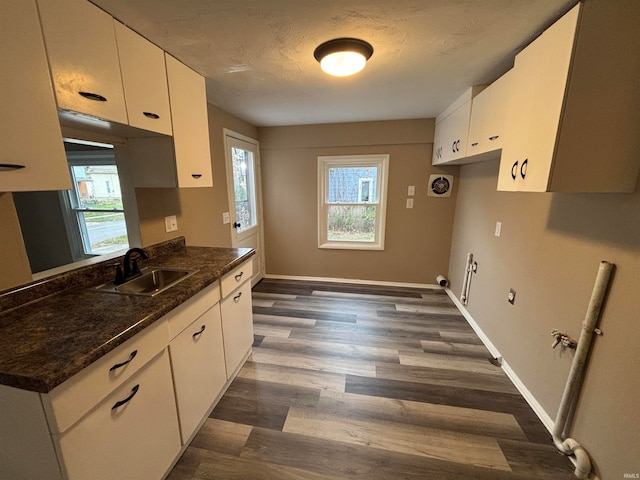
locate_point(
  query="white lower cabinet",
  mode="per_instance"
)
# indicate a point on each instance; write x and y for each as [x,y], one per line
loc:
[199,373]
[237,325]
[131,435]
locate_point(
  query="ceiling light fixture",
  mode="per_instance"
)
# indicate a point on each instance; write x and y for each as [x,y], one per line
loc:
[343,56]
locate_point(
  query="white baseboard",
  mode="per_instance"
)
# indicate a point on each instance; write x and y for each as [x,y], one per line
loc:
[544,417]
[352,280]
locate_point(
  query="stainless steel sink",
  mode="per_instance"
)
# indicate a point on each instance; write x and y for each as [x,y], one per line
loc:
[150,282]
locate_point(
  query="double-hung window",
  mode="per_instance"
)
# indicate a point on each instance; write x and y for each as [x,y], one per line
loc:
[352,196]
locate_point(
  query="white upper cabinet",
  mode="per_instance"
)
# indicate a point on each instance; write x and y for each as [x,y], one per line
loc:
[83,58]
[574,110]
[32,156]
[188,97]
[145,81]
[488,114]
[452,130]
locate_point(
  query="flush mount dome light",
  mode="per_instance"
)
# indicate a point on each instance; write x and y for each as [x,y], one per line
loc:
[343,56]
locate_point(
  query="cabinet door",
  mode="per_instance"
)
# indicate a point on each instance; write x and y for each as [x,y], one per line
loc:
[199,374]
[83,57]
[188,99]
[456,132]
[145,81]
[477,141]
[131,435]
[496,115]
[237,326]
[29,129]
[539,84]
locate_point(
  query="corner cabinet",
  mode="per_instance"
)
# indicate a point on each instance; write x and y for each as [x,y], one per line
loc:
[574,110]
[83,58]
[32,156]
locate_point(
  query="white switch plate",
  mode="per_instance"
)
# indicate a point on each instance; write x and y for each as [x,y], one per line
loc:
[225,218]
[170,223]
[411,190]
[409,202]
[498,229]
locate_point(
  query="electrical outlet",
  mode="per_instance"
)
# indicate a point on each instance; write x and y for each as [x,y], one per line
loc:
[170,223]
[411,191]
[409,202]
[498,229]
[225,218]
[512,296]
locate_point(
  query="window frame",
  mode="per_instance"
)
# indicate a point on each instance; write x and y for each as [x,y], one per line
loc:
[379,161]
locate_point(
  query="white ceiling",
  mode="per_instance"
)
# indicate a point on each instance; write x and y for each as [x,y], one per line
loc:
[257,55]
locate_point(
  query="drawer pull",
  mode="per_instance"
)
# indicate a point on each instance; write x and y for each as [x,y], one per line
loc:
[199,332]
[237,297]
[151,115]
[10,166]
[93,96]
[196,175]
[118,365]
[239,276]
[134,390]
[495,137]
[474,144]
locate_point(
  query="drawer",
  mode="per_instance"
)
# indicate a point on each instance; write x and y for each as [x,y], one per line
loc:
[69,401]
[199,373]
[237,326]
[235,278]
[131,435]
[182,316]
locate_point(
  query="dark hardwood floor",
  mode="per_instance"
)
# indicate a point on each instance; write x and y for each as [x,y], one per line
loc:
[367,382]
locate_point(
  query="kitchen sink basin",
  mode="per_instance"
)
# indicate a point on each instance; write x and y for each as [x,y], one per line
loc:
[150,282]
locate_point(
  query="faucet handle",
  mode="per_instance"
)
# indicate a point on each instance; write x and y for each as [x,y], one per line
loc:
[119,275]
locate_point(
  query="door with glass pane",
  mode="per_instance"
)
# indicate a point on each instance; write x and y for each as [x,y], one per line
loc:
[245,199]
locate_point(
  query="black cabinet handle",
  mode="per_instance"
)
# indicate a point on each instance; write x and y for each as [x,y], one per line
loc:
[118,365]
[93,96]
[237,297]
[238,276]
[523,168]
[199,332]
[495,137]
[474,144]
[151,115]
[10,166]
[514,169]
[196,175]
[236,225]
[134,390]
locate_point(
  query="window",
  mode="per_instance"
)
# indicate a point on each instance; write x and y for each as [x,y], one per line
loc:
[352,201]
[96,219]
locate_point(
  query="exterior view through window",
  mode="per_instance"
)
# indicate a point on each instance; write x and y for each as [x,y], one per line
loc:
[96,203]
[243,175]
[352,201]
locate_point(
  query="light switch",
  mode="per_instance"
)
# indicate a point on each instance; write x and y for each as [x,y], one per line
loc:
[411,191]
[170,223]
[409,202]
[498,229]
[225,218]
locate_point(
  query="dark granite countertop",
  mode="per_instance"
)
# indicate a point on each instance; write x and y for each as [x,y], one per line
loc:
[50,330]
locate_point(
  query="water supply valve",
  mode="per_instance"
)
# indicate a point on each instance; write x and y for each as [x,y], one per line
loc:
[564,339]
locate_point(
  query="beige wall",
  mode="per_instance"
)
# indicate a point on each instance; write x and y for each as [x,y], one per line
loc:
[417,240]
[549,252]
[15,263]
[198,210]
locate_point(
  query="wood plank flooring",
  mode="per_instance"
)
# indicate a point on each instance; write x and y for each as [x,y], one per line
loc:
[366,382]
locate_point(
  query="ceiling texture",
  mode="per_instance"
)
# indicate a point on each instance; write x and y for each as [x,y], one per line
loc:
[257,55]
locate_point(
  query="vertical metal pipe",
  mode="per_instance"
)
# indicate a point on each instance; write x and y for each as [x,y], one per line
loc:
[467,278]
[569,446]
